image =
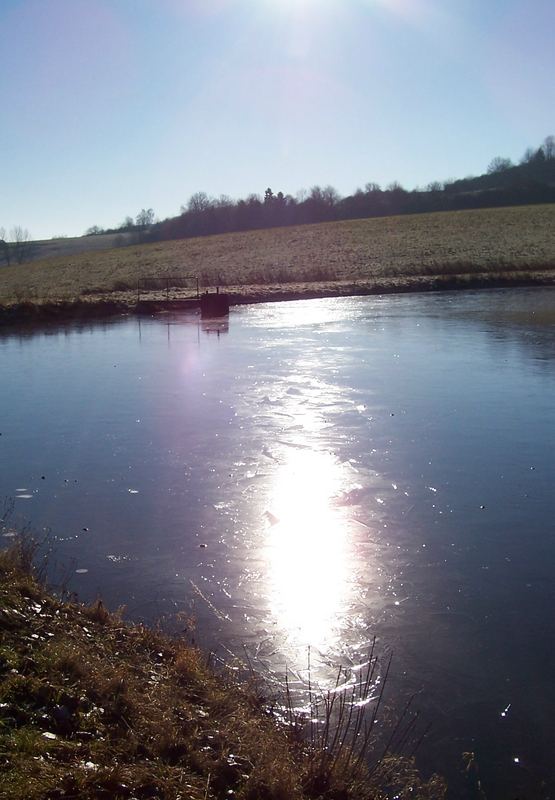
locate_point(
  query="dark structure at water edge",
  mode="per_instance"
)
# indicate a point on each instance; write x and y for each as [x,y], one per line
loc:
[214,304]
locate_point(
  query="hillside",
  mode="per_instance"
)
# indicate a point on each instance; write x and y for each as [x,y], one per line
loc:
[524,177]
[70,246]
[531,182]
[337,257]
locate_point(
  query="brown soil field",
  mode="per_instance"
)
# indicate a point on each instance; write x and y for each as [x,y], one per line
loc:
[348,257]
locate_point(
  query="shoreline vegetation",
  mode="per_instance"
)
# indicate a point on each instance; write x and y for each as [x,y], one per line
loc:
[485,248]
[95,707]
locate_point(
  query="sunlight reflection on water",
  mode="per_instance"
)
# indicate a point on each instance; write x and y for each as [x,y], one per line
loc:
[307,549]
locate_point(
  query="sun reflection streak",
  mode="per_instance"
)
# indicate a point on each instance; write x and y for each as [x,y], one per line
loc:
[308,548]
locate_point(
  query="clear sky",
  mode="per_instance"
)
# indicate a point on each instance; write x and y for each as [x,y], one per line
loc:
[108,106]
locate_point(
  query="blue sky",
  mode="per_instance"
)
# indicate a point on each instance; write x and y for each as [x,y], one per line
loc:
[108,106]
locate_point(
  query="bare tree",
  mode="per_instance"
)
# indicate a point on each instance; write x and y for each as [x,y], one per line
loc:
[499,164]
[528,156]
[549,147]
[199,202]
[5,254]
[145,218]
[330,195]
[127,224]
[327,196]
[21,244]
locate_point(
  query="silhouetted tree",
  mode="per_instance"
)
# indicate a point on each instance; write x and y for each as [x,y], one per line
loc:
[127,224]
[320,205]
[145,218]
[21,245]
[5,254]
[528,155]
[198,203]
[254,211]
[549,147]
[499,164]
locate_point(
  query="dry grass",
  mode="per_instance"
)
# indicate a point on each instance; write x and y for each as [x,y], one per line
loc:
[91,707]
[361,253]
[70,246]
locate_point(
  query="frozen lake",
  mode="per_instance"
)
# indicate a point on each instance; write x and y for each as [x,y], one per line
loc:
[314,474]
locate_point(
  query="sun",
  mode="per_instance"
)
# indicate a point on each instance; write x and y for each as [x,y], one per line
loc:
[296,6]
[304,12]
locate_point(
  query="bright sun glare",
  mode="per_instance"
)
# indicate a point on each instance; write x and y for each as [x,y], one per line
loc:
[292,6]
[308,549]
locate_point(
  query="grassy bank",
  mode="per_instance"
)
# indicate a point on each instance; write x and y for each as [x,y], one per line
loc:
[502,246]
[92,707]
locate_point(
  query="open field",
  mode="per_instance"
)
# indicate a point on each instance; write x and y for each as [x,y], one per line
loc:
[71,245]
[387,253]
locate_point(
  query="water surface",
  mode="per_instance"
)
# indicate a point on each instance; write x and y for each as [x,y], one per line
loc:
[318,473]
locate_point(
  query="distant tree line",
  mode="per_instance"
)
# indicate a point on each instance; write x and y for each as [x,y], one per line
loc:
[142,223]
[504,184]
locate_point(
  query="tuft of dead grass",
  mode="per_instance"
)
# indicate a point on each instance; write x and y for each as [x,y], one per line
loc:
[92,707]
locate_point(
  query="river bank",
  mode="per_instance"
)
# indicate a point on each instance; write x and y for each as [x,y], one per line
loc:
[493,247]
[110,304]
[92,706]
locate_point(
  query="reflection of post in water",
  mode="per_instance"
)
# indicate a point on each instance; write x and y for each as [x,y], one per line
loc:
[168,324]
[217,326]
[214,312]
